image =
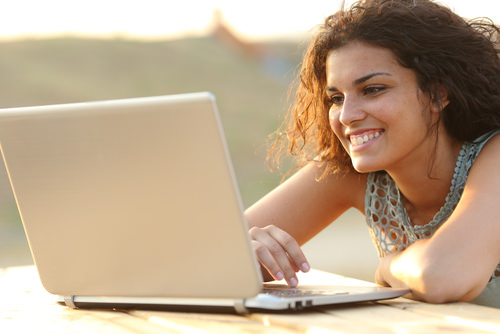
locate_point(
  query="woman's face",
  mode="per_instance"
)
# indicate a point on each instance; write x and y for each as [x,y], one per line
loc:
[378,111]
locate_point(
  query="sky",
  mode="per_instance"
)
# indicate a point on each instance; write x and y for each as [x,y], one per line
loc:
[254,20]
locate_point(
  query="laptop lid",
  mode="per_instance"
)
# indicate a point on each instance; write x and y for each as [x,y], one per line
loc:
[133,197]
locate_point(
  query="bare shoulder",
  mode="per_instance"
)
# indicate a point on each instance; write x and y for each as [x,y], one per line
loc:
[482,188]
[331,191]
[493,143]
[350,187]
[485,168]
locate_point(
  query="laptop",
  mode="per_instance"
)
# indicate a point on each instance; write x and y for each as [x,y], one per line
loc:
[133,203]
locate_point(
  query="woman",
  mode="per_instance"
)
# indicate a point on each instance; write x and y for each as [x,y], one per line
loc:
[396,114]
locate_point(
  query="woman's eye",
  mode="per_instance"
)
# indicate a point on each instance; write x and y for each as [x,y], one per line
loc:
[337,99]
[373,89]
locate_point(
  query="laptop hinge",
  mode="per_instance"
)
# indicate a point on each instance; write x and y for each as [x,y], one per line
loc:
[70,301]
[239,306]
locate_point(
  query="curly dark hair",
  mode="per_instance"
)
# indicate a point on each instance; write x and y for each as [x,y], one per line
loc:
[443,49]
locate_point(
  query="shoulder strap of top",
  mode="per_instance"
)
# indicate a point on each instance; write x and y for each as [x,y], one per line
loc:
[483,139]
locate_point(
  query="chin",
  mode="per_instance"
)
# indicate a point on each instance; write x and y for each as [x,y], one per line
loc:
[363,167]
[363,171]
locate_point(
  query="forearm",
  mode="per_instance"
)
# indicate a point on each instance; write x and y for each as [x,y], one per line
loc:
[431,276]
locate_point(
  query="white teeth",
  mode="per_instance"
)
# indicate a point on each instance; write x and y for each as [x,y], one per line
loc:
[363,139]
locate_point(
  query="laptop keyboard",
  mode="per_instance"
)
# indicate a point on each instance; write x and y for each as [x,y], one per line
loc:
[294,292]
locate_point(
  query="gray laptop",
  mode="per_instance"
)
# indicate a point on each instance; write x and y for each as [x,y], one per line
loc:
[133,203]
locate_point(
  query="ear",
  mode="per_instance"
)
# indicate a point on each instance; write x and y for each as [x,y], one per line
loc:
[439,98]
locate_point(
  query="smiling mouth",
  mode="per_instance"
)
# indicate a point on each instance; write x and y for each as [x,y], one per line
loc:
[363,138]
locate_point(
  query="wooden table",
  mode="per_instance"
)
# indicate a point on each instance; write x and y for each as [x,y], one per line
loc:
[25,307]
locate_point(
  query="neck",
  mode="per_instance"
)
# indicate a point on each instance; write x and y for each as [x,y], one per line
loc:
[424,186]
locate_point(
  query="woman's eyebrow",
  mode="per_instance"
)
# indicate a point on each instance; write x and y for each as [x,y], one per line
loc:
[368,77]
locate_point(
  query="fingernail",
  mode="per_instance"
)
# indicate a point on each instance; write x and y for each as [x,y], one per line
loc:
[279,276]
[293,282]
[304,267]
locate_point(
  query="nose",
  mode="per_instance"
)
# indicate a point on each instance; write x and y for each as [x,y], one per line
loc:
[351,111]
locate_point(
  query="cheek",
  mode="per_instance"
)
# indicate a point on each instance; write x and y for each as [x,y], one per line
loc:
[333,117]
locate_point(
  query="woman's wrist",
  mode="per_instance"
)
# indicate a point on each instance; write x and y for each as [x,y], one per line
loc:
[383,269]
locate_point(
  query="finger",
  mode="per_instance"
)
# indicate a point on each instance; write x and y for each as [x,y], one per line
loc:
[273,256]
[267,260]
[292,248]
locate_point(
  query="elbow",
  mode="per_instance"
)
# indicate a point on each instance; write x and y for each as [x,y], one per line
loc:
[443,295]
[438,288]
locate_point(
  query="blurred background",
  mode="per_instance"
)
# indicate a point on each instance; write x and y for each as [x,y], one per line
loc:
[247,54]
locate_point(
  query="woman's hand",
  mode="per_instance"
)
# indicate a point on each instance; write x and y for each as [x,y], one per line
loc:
[302,206]
[278,253]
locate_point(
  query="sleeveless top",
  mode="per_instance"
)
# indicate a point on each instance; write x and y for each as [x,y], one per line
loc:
[390,226]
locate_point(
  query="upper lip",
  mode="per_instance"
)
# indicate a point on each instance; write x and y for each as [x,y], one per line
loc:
[359,132]
[352,136]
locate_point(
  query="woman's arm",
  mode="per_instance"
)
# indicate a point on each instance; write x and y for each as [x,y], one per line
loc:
[296,211]
[456,263]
